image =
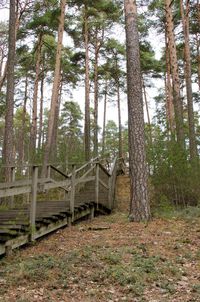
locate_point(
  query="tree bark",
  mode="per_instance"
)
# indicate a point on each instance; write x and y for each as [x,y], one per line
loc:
[8,157]
[188,76]
[178,106]
[139,207]
[55,90]
[87,89]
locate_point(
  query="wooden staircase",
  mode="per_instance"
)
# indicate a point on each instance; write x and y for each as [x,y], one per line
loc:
[86,191]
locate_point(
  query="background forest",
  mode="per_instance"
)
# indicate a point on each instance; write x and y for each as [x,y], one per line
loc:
[57,48]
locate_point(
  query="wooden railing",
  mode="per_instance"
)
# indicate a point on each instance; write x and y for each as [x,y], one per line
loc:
[73,183]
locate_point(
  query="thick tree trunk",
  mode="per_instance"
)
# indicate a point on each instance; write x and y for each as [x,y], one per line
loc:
[55,90]
[96,95]
[178,106]
[104,118]
[8,133]
[87,89]
[139,208]
[55,130]
[33,135]
[188,76]
[169,91]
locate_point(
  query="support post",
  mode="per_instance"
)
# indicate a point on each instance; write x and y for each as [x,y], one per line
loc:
[97,185]
[92,213]
[110,192]
[12,198]
[72,196]
[48,171]
[33,201]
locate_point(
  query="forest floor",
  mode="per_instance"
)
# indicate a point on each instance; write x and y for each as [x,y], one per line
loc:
[108,259]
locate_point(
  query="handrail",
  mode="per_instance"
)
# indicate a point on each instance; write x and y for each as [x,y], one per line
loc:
[58,171]
[86,164]
[104,169]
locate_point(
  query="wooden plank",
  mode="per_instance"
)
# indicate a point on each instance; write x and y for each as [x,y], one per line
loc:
[14,191]
[87,179]
[50,228]
[57,184]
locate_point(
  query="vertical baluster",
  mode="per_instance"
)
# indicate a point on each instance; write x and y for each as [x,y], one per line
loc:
[72,196]
[33,201]
[97,185]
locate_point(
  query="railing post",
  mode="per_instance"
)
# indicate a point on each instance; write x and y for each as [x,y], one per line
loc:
[12,180]
[72,196]
[48,171]
[110,192]
[33,201]
[97,185]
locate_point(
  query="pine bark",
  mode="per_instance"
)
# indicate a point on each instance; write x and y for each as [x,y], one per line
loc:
[139,207]
[178,106]
[55,90]
[188,76]
[87,89]
[8,157]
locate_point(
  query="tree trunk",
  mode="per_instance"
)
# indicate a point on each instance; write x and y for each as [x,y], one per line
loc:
[198,43]
[147,111]
[41,112]
[119,120]
[104,117]
[23,125]
[33,135]
[8,133]
[198,59]
[168,91]
[139,207]
[96,95]
[87,89]
[55,90]
[178,106]
[55,130]
[188,76]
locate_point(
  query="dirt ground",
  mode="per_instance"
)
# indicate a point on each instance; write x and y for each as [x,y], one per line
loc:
[108,259]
